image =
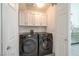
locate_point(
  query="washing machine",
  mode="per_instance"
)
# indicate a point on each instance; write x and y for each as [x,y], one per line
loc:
[28,45]
[45,44]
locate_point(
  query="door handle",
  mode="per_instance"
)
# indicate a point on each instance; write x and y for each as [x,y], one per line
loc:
[65,39]
[8,47]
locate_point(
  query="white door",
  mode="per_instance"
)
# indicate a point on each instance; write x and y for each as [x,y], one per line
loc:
[0,29]
[61,29]
[10,30]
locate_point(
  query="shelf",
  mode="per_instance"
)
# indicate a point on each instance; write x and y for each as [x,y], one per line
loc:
[32,26]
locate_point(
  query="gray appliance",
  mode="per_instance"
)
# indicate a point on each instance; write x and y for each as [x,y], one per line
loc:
[45,44]
[28,44]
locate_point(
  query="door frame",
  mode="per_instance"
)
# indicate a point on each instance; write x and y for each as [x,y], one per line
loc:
[69,31]
[69,36]
[0,28]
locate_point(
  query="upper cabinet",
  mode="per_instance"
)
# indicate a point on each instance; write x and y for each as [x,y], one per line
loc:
[22,19]
[32,18]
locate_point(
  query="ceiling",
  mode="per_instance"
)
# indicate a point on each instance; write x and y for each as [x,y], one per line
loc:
[31,6]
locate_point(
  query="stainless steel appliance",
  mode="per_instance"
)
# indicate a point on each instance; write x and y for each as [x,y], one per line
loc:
[35,44]
[45,44]
[28,44]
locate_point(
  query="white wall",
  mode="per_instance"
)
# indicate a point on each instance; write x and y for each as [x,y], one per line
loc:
[10,30]
[0,29]
[51,22]
[51,19]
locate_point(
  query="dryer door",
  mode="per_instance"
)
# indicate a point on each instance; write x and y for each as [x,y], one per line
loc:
[45,47]
[46,44]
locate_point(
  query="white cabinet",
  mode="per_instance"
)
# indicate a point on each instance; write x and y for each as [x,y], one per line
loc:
[37,19]
[40,19]
[30,19]
[33,19]
[10,31]
[44,20]
[22,19]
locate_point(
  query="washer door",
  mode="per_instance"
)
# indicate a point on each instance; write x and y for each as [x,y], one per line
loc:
[29,46]
[46,44]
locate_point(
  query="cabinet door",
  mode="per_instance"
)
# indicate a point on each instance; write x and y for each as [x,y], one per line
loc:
[29,18]
[10,30]
[33,18]
[37,19]
[26,18]
[43,20]
[40,19]
[22,17]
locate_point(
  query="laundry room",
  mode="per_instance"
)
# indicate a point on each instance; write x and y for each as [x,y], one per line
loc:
[34,29]
[37,18]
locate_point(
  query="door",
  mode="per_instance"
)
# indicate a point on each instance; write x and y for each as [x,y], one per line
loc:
[10,29]
[0,29]
[61,29]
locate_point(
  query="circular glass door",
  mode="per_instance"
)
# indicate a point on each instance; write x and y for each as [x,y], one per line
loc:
[29,46]
[46,44]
